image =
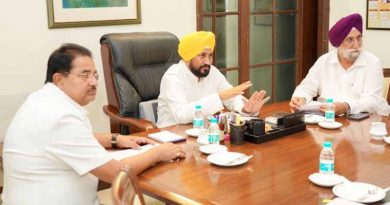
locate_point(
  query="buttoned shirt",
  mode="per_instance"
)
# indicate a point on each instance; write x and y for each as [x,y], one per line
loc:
[49,150]
[181,90]
[360,85]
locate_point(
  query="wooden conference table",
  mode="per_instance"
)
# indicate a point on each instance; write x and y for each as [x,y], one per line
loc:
[277,173]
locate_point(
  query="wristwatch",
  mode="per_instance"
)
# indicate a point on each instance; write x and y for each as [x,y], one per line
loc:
[114,143]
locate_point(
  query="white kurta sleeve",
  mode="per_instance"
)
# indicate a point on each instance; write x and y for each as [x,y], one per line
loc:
[309,87]
[174,91]
[371,97]
[74,144]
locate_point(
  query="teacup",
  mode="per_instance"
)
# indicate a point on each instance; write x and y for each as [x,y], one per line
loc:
[378,130]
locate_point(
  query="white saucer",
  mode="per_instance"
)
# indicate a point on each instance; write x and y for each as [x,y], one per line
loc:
[227,159]
[330,125]
[193,132]
[325,180]
[313,119]
[377,136]
[359,192]
[387,139]
[212,148]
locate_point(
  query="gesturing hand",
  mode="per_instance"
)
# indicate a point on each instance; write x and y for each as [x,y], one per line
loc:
[232,92]
[255,102]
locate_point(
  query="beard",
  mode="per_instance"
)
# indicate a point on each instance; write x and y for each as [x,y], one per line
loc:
[350,54]
[201,71]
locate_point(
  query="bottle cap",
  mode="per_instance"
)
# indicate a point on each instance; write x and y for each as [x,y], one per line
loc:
[327,144]
[213,120]
[329,100]
[198,106]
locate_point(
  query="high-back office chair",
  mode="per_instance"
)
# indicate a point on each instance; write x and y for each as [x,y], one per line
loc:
[125,188]
[133,65]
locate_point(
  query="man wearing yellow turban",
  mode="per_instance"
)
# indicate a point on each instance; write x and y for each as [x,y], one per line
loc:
[195,81]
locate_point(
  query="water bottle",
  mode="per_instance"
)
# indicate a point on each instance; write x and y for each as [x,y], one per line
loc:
[213,131]
[327,159]
[329,110]
[198,118]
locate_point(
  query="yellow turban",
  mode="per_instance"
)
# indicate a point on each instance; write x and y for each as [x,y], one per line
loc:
[194,43]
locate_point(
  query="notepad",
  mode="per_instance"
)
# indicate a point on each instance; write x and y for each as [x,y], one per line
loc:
[166,136]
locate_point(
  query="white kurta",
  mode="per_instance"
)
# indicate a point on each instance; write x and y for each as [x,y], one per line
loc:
[360,85]
[49,150]
[180,91]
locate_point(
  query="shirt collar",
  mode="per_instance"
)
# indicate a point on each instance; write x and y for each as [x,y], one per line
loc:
[56,90]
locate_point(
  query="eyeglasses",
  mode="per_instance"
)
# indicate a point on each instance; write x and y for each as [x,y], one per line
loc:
[86,76]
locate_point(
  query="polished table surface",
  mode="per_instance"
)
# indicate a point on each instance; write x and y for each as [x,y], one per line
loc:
[277,173]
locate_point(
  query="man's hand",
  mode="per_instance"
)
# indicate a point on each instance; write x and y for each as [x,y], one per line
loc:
[232,92]
[132,141]
[169,151]
[296,102]
[340,108]
[255,102]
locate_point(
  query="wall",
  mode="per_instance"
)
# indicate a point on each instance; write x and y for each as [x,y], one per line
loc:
[375,41]
[26,43]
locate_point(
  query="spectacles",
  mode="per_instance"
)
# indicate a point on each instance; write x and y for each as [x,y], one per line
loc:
[86,76]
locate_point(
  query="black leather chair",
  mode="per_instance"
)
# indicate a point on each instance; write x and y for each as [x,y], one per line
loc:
[133,65]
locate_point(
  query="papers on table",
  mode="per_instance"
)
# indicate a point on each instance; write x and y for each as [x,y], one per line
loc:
[166,136]
[120,154]
[311,107]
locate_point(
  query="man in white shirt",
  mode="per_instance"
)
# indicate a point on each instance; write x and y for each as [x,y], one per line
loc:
[351,76]
[194,81]
[51,156]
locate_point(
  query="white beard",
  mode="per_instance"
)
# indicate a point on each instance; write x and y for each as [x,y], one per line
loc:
[349,54]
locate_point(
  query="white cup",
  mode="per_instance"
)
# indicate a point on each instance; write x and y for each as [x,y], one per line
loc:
[378,129]
[203,136]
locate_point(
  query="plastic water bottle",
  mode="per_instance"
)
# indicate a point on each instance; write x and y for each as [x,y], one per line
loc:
[327,158]
[329,110]
[198,118]
[213,131]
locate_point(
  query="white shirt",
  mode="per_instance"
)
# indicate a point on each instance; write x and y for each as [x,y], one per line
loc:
[360,85]
[49,150]
[180,91]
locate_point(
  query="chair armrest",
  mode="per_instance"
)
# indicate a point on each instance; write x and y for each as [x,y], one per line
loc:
[135,125]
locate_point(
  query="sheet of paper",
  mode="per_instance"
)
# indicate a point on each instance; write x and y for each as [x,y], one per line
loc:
[311,107]
[166,136]
[120,154]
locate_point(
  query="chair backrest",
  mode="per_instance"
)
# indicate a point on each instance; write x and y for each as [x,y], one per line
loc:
[133,65]
[125,188]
